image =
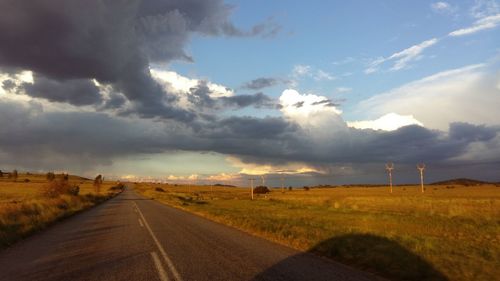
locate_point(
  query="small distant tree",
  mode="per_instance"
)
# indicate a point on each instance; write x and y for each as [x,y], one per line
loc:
[14,175]
[65,177]
[306,188]
[98,183]
[290,188]
[261,190]
[50,176]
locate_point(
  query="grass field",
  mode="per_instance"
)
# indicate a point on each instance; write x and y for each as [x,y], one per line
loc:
[24,208]
[447,233]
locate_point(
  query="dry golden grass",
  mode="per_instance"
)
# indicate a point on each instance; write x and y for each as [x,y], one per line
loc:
[449,232]
[24,208]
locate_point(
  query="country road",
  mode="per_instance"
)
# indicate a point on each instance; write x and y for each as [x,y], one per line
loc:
[132,238]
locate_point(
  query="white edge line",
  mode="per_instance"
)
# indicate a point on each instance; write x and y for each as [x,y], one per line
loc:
[140,222]
[162,251]
[161,272]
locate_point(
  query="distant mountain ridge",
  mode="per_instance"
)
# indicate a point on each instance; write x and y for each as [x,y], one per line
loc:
[460,181]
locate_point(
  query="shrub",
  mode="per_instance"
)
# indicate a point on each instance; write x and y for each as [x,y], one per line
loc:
[26,180]
[306,188]
[261,190]
[57,188]
[119,187]
[50,176]
[74,190]
[290,188]
[159,189]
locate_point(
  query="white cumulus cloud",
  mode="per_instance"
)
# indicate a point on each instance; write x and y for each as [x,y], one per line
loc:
[389,122]
[307,109]
[177,83]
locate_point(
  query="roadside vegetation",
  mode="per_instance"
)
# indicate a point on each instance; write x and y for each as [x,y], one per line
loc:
[31,202]
[451,232]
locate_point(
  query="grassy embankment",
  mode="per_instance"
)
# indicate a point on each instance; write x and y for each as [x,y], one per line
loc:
[26,208]
[449,232]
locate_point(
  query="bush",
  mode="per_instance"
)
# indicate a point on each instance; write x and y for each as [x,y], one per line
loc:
[261,190]
[50,176]
[74,190]
[57,188]
[119,187]
[159,189]
[306,188]
[26,180]
[290,188]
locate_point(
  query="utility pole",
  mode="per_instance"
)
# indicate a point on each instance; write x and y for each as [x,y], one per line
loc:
[421,168]
[251,187]
[211,189]
[389,167]
[282,184]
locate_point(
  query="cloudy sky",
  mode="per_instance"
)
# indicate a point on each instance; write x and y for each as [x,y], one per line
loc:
[211,91]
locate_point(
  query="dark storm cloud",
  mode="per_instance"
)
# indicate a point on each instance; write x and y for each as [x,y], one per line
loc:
[8,85]
[407,145]
[261,83]
[257,100]
[326,102]
[31,138]
[115,100]
[468,132]
[268,29]
[201,97]
[250,127]
[299,104]
[110,41]
[73,91]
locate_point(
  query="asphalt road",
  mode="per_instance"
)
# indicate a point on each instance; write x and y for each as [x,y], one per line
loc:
[133,238]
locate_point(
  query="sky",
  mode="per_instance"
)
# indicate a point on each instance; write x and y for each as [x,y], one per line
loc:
[211,91]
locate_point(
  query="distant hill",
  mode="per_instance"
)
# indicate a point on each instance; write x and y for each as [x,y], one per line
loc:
[461,181]
[224,185]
